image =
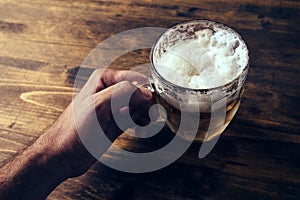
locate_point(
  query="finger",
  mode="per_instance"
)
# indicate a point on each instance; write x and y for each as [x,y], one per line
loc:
[101,79]
[111,77]
[140,97]
[111,99]
[141,116]
[120,123]
[135,78]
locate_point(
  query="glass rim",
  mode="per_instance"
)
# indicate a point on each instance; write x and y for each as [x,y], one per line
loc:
[201,90]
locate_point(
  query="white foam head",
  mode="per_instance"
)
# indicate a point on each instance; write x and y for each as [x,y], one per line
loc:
[213,58]
[199,56]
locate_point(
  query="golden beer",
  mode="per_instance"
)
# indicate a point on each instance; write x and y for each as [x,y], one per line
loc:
[195,77]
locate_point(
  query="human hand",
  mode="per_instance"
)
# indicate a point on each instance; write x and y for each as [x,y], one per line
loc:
[59,153]
[96,97]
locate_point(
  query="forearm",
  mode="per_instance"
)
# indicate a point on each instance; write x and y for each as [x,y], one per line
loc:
[34,173]
[59,153]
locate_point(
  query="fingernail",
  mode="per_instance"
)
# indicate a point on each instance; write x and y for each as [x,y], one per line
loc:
[124,111]
[147,94]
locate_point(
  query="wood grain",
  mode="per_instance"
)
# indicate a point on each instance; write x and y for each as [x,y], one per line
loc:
[42,42]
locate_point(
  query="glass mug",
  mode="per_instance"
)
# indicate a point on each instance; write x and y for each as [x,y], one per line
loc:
[206,111]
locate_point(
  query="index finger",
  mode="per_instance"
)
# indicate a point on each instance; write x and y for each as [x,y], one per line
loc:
[111,77]
[101,79]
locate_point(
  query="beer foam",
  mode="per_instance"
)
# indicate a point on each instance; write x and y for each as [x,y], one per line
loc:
[216,57]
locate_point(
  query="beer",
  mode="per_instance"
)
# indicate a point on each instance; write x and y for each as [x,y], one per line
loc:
[199,119]
[198,70]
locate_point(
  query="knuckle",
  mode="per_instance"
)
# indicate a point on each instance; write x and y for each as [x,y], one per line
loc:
[125,85]
[97,72]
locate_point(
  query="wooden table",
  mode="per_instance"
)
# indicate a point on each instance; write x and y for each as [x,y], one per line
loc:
[257,157]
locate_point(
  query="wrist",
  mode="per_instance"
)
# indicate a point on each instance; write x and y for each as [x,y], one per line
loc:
[64,149]
[49,158]
[33,174]
[46,169]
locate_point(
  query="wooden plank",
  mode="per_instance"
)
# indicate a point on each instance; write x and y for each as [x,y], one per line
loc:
[41,42]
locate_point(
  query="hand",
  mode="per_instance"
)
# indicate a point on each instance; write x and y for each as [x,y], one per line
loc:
[96,95]
[59,153]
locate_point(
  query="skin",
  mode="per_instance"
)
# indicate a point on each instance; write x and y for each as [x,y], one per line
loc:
[59,154]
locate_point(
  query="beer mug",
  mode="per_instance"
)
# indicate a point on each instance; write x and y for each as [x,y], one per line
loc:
[207,110]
